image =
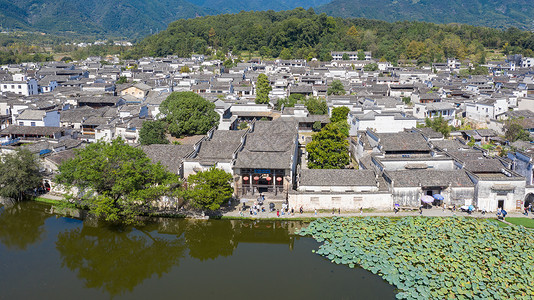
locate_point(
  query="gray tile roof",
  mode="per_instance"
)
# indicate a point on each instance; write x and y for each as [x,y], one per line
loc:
[337,177]
[403,141]
[428,177]
[169,156]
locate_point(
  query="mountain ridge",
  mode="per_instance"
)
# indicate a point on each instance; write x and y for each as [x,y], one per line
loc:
[490,13]
[138,18]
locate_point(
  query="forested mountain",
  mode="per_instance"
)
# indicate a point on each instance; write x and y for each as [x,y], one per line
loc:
[302,33]
[234,6]
[491,13]
[135,18]
[128,18]
[96,17]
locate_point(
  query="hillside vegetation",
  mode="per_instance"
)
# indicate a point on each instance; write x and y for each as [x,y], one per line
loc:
[492,13]
[302,33]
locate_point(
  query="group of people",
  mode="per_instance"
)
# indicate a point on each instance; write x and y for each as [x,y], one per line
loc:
[258,207]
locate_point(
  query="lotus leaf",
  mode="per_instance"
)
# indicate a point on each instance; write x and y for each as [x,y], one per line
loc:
[432,257]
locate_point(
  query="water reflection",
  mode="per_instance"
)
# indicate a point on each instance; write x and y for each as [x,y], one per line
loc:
[209,239]
[21,225]
[168,256]
[117,260]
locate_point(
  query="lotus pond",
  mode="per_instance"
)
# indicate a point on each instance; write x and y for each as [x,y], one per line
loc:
[433,258]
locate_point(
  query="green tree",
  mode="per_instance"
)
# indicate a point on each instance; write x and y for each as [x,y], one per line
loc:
[317,126]
[339,114]
[187,113]
[439,124]
[19,172]
[290,101]
[263,87]
[514,131]
[328,149]
[316,106]
[285,54]
[361,55]
[117,182]
[153,132]
[265,51]
[122,80]
[370,67]
[185,69]
[207,190]
[336,88]
[345,56]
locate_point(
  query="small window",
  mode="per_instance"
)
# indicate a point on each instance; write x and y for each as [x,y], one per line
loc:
[21,123]
[20,86]
[33,123]
[314,199]
[336,199]
[357,199]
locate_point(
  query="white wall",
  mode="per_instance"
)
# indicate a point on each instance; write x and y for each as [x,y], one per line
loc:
[343,201]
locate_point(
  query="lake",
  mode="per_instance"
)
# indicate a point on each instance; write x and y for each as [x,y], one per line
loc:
[52,257]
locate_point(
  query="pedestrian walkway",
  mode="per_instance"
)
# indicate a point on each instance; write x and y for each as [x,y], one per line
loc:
[434,212]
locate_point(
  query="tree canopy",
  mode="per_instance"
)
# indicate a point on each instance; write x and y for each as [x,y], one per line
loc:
[153,132]
[263,87]
[440,125]
[339,114]
[187,113]
[316,106]
[207,190]
[336,88]
[302,34]
[19,172]
[328,149]
[117,182]
[514,131]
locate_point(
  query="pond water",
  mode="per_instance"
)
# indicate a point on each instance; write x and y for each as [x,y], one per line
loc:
[49,257]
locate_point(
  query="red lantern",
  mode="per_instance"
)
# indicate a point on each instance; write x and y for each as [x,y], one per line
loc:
[245,178]
[256,178]
[279,179]
[268,178]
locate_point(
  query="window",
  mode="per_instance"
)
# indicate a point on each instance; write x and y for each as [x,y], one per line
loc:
[20,86]
[33,123]
[314,199]
[21,123]
[336,199]
[357,199]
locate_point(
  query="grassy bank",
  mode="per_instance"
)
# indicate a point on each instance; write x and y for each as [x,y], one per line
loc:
[525,222]
[48,201]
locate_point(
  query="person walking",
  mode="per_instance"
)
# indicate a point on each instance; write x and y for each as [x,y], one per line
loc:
[278,213]
[420,210]
[301,210]
[315,212]
[333,210]
[361,211]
